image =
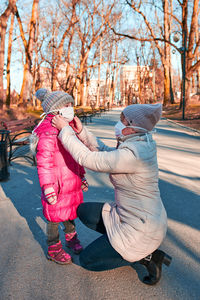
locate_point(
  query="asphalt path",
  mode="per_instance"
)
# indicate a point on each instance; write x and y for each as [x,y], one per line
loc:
[26,274]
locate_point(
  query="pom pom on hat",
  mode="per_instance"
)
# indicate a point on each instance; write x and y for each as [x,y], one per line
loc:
[52,101]
[40,94]
[143,115]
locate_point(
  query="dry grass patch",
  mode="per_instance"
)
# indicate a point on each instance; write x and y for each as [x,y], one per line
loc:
[192,115]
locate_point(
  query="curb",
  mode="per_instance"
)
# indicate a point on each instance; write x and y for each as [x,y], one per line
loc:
[183,126]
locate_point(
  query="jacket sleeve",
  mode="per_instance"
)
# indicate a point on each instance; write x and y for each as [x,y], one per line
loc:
[116,161]
[81,172]
[92,142]
[45,159]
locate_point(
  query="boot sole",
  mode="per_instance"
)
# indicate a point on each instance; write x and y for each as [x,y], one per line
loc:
[59,262]
[149,279]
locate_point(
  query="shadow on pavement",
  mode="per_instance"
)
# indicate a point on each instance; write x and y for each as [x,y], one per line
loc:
[175,132]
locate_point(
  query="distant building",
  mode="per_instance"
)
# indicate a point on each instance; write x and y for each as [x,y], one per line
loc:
[134,84]
[93,90]
[90,92]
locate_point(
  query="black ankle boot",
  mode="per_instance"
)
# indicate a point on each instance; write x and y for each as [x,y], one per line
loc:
[153,263]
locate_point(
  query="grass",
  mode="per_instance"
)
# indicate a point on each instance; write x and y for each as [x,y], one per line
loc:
[192,115]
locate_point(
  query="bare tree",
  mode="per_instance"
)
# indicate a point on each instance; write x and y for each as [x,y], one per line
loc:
[69,32]
[3,26]
[90,30]
[28,46]
[57,37]
[192,45]
[151,36]
[166,56]
[9,59]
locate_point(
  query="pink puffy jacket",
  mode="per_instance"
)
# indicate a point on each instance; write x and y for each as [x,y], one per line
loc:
[56,167]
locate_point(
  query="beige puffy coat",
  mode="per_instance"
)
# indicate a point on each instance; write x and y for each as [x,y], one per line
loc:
[136,223]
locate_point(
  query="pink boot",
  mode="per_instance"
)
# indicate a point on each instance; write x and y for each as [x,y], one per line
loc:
[57,254]
[73,242]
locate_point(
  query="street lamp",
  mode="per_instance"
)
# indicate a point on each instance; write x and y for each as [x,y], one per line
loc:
[183,52]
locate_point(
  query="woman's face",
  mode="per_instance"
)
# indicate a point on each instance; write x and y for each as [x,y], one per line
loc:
[127,130]
[123,120]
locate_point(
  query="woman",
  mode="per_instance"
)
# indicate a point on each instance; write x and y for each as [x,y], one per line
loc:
[134,226]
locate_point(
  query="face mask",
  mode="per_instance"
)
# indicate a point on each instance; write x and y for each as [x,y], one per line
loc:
[118,129]
[67,113]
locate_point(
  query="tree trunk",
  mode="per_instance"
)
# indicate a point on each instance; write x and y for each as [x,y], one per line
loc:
[183,61]
[106,85]
[58,53]
[114,85]
[3,26]
[35,72]
[198,58]
[115,74]
[166,86]
[80,92]
[99,73]
[69,84]
[27,76]
[53,65]
[9,59]
[167,95]
[170,61]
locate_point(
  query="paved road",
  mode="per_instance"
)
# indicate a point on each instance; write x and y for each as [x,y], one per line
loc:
[26,274]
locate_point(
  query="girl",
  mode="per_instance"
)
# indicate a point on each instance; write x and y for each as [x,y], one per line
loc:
[61,177]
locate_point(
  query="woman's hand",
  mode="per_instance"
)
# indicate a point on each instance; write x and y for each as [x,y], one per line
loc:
[76,124]
[59,122]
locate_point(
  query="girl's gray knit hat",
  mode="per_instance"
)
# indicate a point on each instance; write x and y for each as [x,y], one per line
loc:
[52,101]
[143,115]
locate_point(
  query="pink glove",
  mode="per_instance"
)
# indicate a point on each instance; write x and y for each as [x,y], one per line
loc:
[50,195]
[84,184]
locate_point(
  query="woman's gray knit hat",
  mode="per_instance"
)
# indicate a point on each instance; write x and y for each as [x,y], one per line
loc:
[143,115]
[53,100]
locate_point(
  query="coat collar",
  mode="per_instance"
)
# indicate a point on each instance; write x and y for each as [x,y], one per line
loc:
[134,136]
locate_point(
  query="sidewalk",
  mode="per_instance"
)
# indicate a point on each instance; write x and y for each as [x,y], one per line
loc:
[27,274]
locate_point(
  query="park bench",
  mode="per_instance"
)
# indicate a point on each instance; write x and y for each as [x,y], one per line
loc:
[83,115]
[19,133]
[95,111]
[102,109]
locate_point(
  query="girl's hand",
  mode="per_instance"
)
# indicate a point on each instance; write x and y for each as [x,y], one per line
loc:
[50,195]
[76,124]
[59,122]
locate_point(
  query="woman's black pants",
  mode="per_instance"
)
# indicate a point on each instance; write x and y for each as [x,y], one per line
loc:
[99,255]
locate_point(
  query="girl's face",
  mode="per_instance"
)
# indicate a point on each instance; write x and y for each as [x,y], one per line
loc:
[69,104]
